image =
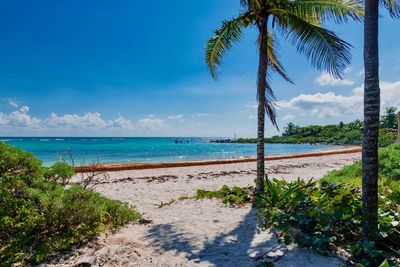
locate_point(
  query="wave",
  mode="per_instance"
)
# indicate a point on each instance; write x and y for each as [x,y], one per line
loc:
[44,140]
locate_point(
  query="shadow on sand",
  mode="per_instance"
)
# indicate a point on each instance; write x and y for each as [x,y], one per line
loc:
[234,248]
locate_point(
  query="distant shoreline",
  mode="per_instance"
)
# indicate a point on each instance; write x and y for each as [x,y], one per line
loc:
[87,151]
[112,167]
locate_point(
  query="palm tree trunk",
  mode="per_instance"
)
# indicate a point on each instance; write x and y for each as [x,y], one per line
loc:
[371,121]
[261,87]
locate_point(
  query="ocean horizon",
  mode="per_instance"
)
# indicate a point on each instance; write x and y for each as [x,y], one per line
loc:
[86,150]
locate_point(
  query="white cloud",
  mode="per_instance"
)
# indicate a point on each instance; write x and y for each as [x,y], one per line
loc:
[326,79]
[202,115]
[123,123]
[332,105]
[3,119]
[390,94]
[19,119]
[323,104]
[88,120]
[178,117]
[151,122]
[13,103]
[93,121]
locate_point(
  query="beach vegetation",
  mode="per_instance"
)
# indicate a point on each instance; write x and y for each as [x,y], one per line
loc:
[229,195]
[40,217]
[327,215]
[167,203]
[389,119]
[299,22]
[173,201]
[337,134]
[59,172]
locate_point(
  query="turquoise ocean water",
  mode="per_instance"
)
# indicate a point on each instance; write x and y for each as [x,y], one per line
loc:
[144,150]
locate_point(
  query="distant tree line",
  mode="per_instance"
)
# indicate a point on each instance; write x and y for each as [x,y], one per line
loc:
[339,134]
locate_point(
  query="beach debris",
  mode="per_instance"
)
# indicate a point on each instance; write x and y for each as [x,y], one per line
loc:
[273,254]
[148,179]
[144,221]
[86,261]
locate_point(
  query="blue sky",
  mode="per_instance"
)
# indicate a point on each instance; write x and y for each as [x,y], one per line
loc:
[130,68]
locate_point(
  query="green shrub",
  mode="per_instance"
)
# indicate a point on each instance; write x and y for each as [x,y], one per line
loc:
[328,215]
[348,174]
[386,137]
[389,162]
[389,167]
[39,217]
[232,196]
[16,161]
[59,172]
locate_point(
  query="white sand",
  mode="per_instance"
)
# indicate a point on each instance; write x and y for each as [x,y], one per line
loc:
[199,233]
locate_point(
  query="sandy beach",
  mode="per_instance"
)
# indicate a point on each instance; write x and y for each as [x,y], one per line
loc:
[203,232]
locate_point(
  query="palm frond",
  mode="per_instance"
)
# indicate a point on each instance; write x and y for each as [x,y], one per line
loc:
[225,36]
[325,50]
[273,60]
[335,10]
[393,6]
[270,104]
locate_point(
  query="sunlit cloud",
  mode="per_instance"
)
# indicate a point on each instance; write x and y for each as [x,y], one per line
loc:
[331,104]
[13,103]
[151,122]
[326,79]
[19,119]
[178,117]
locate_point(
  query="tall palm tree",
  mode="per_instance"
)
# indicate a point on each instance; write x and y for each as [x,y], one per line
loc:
[371,114]
[299,21]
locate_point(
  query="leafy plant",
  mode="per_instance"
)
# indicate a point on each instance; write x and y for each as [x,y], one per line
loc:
[328,215]
[16,161]
[59,172]
[39,217]
[389,118]
[229,195]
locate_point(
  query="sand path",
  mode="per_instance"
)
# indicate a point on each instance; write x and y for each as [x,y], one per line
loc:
[199,233]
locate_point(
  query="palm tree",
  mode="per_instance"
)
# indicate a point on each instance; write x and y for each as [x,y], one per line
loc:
[371,114]
[389,119]
[299,21]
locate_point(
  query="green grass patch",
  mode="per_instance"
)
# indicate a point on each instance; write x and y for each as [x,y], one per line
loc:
[40,217]
[229,195]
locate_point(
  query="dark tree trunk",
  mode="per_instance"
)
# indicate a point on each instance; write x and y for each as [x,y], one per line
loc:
[371,121]
[261,87]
